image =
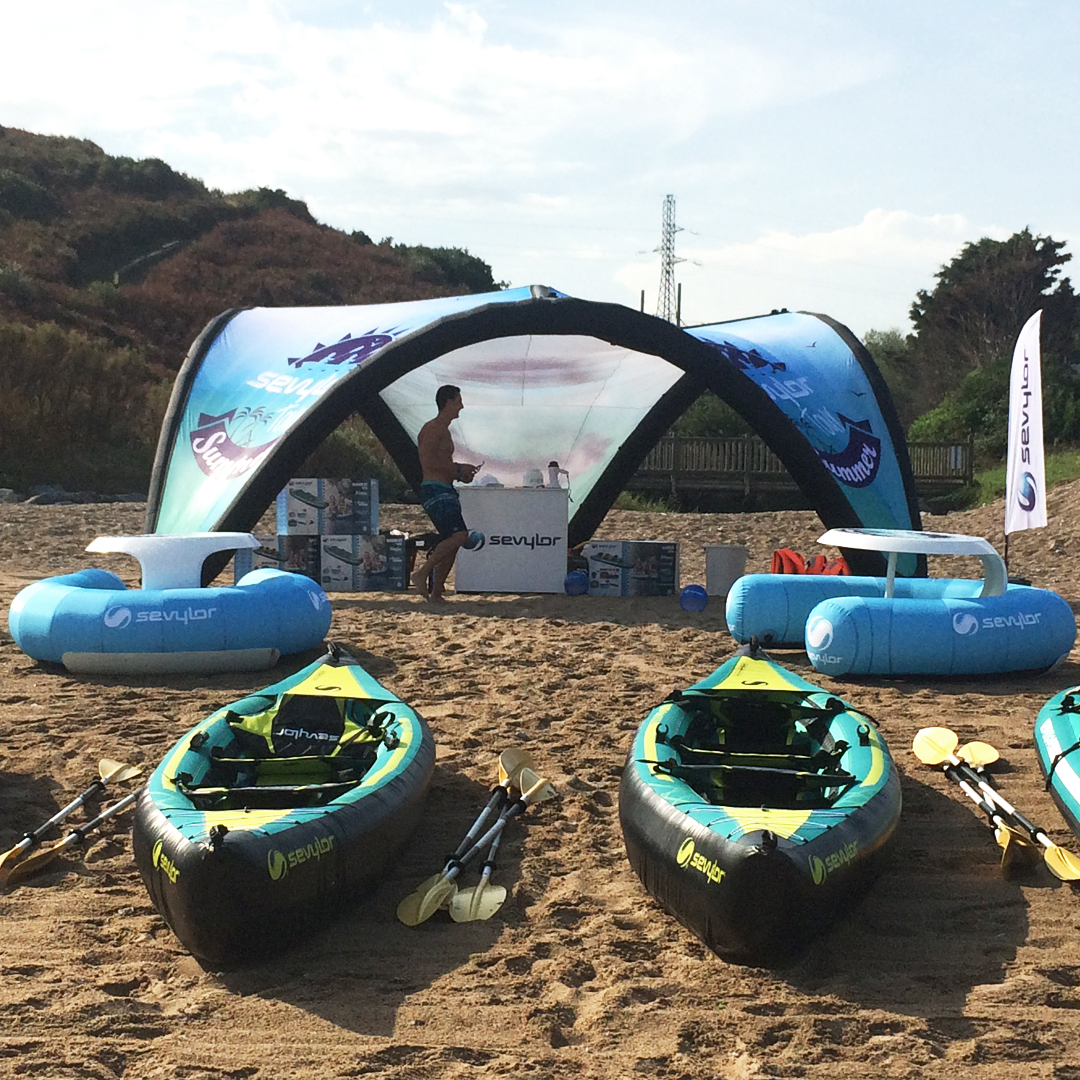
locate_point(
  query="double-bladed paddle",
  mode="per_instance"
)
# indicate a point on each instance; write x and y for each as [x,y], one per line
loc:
[511,762]
[936,746]
[439,890]
[47,852]
[109,771]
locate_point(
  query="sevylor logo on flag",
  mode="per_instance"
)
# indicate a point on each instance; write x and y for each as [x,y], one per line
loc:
[1025,471]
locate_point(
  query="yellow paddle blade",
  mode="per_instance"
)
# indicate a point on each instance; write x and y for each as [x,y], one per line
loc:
[1018,852]
[537,789]
[511,762]
[479,902]
[977,754]
[7,862]
[934,745]
[421,904]
[1062,863]
[117,771]
[34,861]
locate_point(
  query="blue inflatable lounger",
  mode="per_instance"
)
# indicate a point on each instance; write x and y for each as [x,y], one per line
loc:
[906,626]
[91,622]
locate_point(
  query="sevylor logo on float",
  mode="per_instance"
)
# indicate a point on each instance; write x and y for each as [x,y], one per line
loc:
[965,623]
[118,618]
[819,636]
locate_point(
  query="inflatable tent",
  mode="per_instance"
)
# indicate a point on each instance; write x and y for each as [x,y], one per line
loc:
[544,376]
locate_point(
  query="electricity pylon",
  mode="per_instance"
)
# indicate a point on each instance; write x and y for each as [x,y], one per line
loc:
[666,306]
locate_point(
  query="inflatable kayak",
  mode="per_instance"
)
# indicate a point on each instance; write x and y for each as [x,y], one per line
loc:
[279,806]
[754,804]
[1057,747]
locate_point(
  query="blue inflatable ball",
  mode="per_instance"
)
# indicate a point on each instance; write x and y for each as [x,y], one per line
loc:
[475,540]
[576,583]
[693,598]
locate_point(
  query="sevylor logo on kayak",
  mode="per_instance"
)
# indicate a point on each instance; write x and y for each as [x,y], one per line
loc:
[163,863]
[303,733]
[965,623]
[278,864]
[117,618]
[689,858]
[820,868]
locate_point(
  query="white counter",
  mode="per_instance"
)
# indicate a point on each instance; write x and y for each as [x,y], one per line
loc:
[524,547]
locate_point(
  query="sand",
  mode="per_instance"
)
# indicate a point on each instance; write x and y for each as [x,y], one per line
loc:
[944,969]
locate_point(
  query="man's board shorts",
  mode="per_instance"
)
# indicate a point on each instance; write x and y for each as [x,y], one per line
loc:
[442,505]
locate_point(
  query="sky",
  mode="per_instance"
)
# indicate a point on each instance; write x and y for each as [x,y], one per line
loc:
[828,156]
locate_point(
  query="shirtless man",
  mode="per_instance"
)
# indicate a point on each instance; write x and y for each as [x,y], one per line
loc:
[440,500]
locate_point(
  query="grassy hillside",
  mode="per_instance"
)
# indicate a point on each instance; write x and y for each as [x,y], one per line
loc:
[109,269]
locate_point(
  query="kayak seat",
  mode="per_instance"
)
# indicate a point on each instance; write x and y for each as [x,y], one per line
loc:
[303,750]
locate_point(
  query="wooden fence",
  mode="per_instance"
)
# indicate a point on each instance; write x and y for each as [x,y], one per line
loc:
[688,466]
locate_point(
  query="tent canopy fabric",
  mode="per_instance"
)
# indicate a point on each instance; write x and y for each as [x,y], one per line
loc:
[544,377]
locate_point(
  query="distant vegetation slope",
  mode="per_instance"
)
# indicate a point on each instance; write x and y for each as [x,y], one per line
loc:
[110,268]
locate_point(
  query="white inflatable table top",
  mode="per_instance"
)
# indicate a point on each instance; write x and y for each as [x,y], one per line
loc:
[912,541]
[173,562]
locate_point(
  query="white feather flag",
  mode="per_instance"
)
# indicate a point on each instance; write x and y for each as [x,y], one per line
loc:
[1025,476]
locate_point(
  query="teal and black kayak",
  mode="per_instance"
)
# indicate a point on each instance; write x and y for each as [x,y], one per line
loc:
[1057,747]
[276,808]
[754,805]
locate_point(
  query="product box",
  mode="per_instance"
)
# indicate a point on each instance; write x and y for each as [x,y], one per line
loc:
[352,507]
[632,567]
[300,554]
[300,507]
[354,563]
[314,506]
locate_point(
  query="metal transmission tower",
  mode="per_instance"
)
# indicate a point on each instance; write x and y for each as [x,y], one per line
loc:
[666,305]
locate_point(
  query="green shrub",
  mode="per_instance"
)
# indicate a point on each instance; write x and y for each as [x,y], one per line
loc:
[23,198]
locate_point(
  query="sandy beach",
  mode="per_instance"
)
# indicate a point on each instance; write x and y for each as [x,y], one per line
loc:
[944,969]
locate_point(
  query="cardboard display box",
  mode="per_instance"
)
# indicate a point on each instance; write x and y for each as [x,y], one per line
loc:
[354,563]
[299,554]
[632,567]
[313,506]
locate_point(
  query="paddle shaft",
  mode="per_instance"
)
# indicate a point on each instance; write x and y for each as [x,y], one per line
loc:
[518,806]
[1000,801]
[76,836]
[35,837]
[49,852]
[983,803]
[489,863]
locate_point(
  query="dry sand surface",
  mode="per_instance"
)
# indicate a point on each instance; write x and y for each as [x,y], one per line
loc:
[944,968]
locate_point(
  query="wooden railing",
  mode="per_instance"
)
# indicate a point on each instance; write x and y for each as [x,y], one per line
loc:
[683,464]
